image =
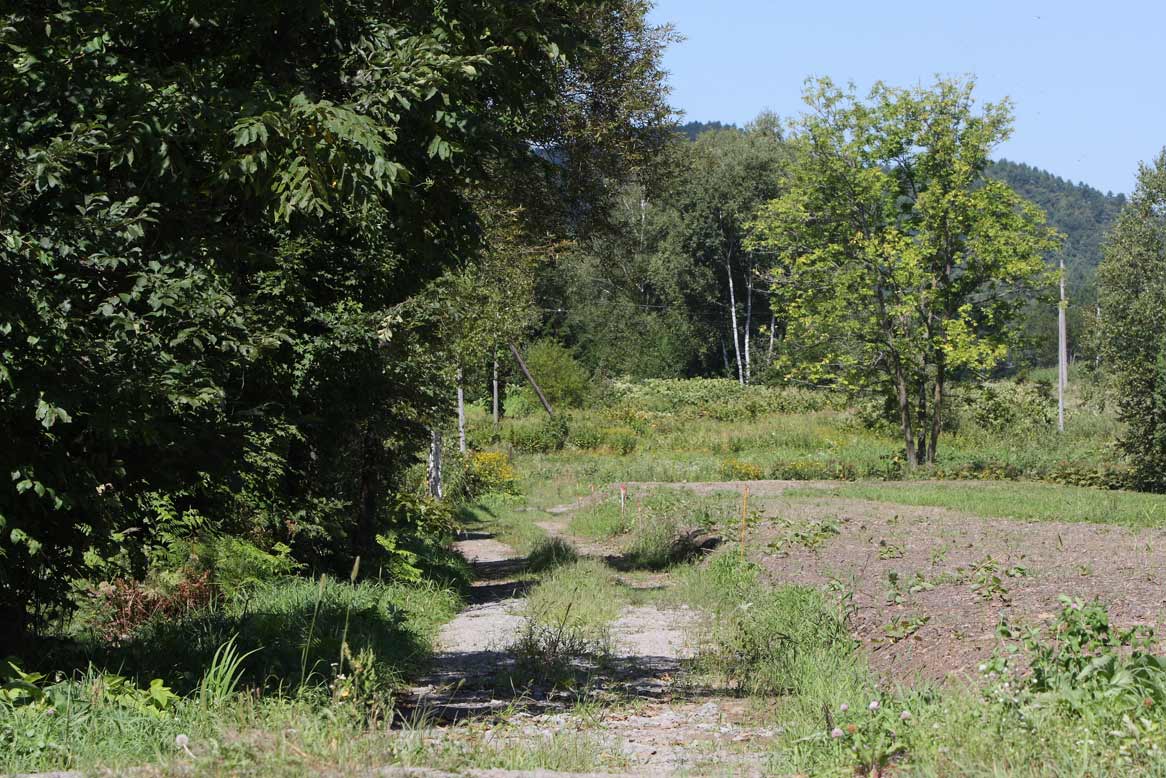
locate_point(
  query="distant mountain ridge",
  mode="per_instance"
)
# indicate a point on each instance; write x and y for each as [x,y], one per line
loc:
[1083,213]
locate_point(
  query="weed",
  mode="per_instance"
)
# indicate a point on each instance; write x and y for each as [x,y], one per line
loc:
[889,550]
[550,553]
[902,628]
[988,584]
[222,675]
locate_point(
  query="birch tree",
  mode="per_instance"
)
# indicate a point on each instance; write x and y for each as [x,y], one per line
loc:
[731,173]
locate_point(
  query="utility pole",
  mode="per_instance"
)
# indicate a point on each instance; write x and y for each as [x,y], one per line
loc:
[1062,354]
[530,378]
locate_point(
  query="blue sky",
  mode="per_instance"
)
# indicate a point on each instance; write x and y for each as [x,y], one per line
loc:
[1088,79]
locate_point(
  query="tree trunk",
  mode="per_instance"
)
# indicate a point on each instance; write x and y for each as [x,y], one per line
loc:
[733,315]
[724,352]
[936,411]
[921,416]
[461,413]
[371,448]
[434,470]
[905,417]
[497,415]
[772,327]
[533,383]
[748,323]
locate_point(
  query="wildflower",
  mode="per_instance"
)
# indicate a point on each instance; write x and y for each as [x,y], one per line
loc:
[851,728]
[874,705]
[1148,703]
[836,732]
[51,712]
[182,741]
[905,715]
[844,707]
[983,668]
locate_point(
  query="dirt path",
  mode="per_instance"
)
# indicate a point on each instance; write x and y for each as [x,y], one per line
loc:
[645,715]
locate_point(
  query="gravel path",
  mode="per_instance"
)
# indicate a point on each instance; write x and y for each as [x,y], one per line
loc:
[650,719]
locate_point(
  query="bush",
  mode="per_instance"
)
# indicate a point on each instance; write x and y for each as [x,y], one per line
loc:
[1020,406]
[550,553]
[562,379]
[783,640]
[737,470]
[489,471]
[621,440]
[585,437]
[547,435]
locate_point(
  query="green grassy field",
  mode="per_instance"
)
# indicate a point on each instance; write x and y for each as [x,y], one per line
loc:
[1026,501]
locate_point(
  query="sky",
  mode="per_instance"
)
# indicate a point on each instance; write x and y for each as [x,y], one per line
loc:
[1086,78]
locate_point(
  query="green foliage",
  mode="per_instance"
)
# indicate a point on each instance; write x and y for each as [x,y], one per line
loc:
[567,623]
[290,632]
[221,677]
[1133,300]
[543,435]
[562,379]
[218,232]
[914,264]
[1085,662]
[550,553]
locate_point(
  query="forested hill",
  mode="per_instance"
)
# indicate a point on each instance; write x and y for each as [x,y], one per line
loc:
[692,129]
[1082,213]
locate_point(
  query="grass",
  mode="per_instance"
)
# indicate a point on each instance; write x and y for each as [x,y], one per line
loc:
[567,626]
[1026,501]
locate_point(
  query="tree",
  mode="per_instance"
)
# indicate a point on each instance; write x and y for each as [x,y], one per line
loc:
[900,262]
[1132,280]
[214,219]
[729,174]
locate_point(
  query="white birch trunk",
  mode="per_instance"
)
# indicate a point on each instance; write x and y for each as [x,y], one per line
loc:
[496,408]
[461,413]
[434,469]
[748,323]
[733,314]
[772,327]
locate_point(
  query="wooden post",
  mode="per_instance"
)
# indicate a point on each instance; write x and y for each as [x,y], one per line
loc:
[1062,354]
[744,518]
[529,377]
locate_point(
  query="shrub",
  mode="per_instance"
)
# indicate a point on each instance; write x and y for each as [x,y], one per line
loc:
[737,470]
[550,553]
[562,379]
[585,436]
[785,639]
[568,622]
[118,608]
[1019,406]
[489,471]
[621,440]
[547,435]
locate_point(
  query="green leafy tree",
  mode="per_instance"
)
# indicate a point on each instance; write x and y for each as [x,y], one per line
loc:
[730,173]
[900,263]
[1132,280]
[213,219]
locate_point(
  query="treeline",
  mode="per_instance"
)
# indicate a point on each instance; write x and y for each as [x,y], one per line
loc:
[674,300]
